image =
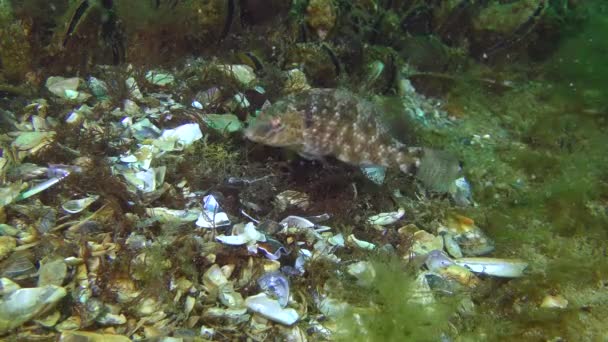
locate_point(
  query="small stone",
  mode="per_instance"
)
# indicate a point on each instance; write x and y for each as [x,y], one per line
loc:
[554,302]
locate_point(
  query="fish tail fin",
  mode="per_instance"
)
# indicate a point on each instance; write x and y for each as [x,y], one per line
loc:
[438,169]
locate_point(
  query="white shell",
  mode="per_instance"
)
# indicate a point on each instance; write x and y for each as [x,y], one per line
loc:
[78,205]
[554,302]
[210,219]
[173,215]
[384,219]
[507,268]
[271,309]
[178,138]
[247,235]
[228,313]
[142,180]
[353,241]
[214,277]
[296,222]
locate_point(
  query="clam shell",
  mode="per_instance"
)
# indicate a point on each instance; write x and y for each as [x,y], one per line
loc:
[507,268]
[78,205]
[271,309]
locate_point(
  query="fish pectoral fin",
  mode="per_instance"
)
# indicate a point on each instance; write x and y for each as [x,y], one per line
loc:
[438,170]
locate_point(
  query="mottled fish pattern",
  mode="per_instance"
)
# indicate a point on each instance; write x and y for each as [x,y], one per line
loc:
[334,122]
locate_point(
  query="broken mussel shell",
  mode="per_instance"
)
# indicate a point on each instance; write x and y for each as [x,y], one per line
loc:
[77,205]
[276,285]
[271,309]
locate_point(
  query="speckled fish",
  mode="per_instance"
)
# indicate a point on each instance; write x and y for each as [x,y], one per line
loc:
[335,122]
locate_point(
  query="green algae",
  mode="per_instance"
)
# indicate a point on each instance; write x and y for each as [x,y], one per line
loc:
[390,309]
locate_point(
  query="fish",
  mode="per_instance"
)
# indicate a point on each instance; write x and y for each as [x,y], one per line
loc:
[321,122]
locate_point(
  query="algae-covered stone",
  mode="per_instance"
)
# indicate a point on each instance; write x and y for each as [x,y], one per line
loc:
[321,16]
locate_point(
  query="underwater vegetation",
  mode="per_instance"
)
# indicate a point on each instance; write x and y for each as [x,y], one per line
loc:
[393,308]
[142,196]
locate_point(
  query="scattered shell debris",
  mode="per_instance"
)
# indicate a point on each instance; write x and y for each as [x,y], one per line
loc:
[132,208]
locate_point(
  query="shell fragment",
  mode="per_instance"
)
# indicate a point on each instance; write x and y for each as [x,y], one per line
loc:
[275,284]
[248,234]
[78,205]
[507,268]
[384,219]
[271,309]
[212,215]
